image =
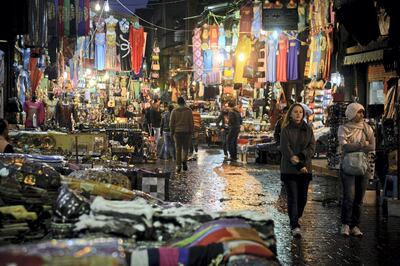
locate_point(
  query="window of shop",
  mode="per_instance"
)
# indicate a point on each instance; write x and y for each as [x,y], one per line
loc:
[375,94]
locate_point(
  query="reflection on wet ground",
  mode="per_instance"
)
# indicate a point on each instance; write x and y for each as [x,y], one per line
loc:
[215,185]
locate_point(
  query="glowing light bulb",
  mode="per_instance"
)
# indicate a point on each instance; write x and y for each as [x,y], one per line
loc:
[88,71]
[97,7]
[106,6]
[242,57]
[106,76]
[65,75]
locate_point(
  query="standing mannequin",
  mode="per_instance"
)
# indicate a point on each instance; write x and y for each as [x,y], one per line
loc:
[64,113]
[124,48]
[31,108]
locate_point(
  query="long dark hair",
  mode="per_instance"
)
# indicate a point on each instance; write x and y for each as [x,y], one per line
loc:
[287,118]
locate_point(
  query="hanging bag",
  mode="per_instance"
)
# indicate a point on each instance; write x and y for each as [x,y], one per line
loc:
[355,163]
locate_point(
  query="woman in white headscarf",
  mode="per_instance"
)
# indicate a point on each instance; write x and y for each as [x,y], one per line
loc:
[354,136]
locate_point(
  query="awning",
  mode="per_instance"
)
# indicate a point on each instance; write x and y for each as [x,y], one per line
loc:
[363,58]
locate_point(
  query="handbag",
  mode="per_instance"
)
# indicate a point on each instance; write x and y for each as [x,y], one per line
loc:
[355,163]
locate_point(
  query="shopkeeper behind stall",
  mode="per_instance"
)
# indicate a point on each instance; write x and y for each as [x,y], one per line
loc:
[5,146]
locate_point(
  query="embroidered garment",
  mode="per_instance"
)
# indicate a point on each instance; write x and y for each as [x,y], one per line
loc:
[214,36]
[124,48]
[111,44]
[221,37]
[257,20]
[197,57]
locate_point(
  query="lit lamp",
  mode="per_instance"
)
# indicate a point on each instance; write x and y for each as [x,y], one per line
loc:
[242,57]
[106,6]
[97,7]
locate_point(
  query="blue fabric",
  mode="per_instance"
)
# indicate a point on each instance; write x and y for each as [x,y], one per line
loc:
[184,256]
[26,53]
[100,57]
[271,66]
[221,37]
[81,23]
[257,23]
[208,61]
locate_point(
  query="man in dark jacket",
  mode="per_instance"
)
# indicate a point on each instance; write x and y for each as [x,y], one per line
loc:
[169,145]
[234,122]
[182,128]
[224,129]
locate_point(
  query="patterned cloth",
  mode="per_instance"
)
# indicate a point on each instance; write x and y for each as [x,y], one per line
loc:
[197,57]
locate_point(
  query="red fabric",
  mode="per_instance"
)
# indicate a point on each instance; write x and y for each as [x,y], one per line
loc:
[214,36]
[281,60]
[169,256]
[136,40]
[34,73]
[31,108]
[256,250]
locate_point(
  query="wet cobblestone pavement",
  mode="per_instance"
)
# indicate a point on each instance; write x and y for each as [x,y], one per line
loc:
[217,186]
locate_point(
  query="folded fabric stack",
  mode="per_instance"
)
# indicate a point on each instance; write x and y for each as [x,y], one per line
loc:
[27,191]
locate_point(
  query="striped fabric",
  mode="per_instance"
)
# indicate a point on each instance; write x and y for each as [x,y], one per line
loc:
[197,57]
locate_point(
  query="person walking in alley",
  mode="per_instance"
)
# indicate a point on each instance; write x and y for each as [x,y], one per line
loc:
[224,129]
[182,128]
[155,119]
[297,145]
[169,144]
[197,127]
[234,122]
[354,136]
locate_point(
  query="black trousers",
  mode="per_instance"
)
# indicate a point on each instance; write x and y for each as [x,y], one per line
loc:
[296,190]
[232,142]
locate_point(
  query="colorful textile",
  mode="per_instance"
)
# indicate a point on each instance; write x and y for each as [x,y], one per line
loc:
[272,45]
[221,37]
[32,108]
[246,18]
[257,20]
[197,57]
[281,64]
[294,51]
[100,40]
[214,36]
[208,60]
[124,49]
[242,54]
[136,38]
[111,44]
[169,256]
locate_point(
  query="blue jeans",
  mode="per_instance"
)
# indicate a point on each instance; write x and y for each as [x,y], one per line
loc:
[354,188]
[296,190]
[169,145]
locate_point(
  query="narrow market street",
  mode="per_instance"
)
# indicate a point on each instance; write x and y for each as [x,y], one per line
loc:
[217,186]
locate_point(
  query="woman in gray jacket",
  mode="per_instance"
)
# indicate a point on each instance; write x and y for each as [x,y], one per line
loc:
[354,136]
[297,146]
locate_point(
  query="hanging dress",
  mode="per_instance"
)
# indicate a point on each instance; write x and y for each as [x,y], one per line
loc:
[235,36]
[282,59]
[124,48]
[100,41]
[111,44]
[242,54]
[136,39]
[272,45]
[214,36]
[246,17]
[257,23]
[221,37]
[294,51]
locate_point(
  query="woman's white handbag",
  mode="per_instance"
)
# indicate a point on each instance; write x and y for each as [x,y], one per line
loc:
[355,163]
